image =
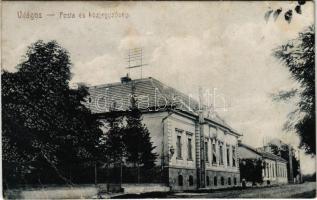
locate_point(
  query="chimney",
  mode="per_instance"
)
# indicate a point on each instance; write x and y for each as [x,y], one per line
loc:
[126,79]
[267,148]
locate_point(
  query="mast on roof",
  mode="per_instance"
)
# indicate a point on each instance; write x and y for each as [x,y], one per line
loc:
[135,59]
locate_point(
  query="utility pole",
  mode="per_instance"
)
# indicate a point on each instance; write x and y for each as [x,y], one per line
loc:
[202,140]
[299,168]
[290,163]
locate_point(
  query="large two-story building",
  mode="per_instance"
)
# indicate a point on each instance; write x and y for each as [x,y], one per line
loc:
[196,150]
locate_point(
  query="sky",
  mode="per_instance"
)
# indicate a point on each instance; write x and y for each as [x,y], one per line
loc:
[220,46]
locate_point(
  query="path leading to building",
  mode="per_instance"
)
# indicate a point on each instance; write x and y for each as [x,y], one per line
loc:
[304,190]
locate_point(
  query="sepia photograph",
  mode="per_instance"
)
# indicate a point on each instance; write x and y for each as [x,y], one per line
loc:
[158,99]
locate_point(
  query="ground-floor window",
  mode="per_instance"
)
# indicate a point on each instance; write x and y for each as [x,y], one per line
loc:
[180,180]
[207,181]
[229,181]
[191,180]
[222,180]
[215,181]
[235,181]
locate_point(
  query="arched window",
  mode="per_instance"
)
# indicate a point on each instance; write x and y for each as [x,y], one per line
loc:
[191,180]
[215,181]
[229,181]
[235,181]
[222,180]
[207,180]
[180,180]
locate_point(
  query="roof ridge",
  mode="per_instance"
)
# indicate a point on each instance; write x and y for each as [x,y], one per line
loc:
[171,95]
[176,90]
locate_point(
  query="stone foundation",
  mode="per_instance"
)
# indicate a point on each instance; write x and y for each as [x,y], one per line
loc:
[189,177]
[230,179]
[222,179]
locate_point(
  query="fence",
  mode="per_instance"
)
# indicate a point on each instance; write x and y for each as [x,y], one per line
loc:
[79,174]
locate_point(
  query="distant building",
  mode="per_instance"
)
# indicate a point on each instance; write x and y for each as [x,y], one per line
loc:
[287,152]
[195,150]
[274,167]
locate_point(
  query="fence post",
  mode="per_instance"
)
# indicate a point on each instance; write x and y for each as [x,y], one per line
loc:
[96,174]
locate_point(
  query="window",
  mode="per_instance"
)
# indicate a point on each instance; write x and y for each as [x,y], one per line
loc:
[222,180]
[207,180]
[235,181]
[191,180]
[180,180]
[221,153]
[233,156]
[179,147]
[268,170]
[264,169]
[215,181]
[189,148]
[214,153]
[206,151]
[228,155]
[229,181]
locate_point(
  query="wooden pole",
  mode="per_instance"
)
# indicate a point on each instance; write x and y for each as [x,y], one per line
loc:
[121,173]
[96,173]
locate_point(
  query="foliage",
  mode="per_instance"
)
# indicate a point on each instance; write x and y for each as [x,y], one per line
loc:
[251,170]
[309,177]
[288,14]
[113,144]
[45,124]
[299,56]
[128,139]
[137,139]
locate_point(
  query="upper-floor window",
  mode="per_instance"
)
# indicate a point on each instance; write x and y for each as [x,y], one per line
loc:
[214,153]
[189,149]
[228,155]
[179,146]
[221,153]
[233,156]
[206,151]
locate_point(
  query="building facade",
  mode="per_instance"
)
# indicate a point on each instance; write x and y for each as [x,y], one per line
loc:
[196,150]
[274,169]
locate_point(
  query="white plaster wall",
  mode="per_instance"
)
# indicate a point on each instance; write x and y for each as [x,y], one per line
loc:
[154,123]
[187,126]
[271,176]
[228,139]
[280,177]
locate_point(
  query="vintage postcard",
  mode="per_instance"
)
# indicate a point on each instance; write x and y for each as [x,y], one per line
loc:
[197,99]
